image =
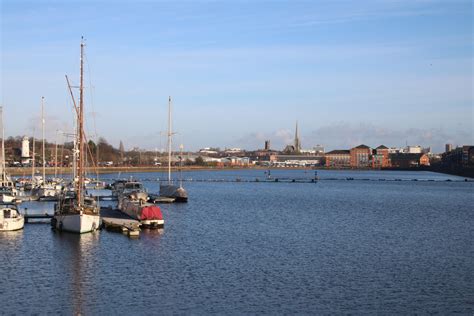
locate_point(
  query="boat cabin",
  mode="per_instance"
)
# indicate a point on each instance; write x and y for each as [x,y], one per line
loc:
[133,186]
[8,211]
[69,204]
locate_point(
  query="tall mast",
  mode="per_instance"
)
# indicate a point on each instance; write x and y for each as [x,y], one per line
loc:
[56,157]
[169,140]
[33,160]
[42,127]
[75,150]
[80,127]
[3,144]
[74,154]
[181,165]
[62,154]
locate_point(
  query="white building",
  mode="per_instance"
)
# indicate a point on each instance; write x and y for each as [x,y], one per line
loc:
[413,150]
[316,150]
[395,150]
[25,150]
[319,149]
[208,151]
[233,150]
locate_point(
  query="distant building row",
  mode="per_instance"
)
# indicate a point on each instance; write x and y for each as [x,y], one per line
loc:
[363,156]
[459,156]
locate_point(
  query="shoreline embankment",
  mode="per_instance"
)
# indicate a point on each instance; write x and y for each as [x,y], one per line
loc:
[26,171]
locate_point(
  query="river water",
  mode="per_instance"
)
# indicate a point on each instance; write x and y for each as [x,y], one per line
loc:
[380,244]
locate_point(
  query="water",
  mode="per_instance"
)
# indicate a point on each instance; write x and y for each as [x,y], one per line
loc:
[275,248]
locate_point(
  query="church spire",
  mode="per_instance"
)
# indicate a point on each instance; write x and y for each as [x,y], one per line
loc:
[297,139]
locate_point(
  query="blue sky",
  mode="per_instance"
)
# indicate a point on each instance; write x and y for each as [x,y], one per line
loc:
[240,72]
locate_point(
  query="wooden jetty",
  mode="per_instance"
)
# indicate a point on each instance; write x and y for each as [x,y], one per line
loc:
[153,198]
[156,199]
[115,220]
[36,216]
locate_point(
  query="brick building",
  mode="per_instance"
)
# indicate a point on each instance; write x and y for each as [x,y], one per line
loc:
[338,159]
[401,160]
[460,156]
[361,157]
[380,157]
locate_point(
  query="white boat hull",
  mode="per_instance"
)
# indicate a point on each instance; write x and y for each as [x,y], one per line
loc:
[10,224]
[153,222]
[48,192]
[6,198]
[77,223]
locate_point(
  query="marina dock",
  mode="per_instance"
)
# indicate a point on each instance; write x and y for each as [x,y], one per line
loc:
[28,217]
[306,180]
[114,220]
[156,199]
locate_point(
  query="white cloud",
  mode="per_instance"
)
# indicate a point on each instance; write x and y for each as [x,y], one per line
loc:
[344,135]
[256,140]
[340,135]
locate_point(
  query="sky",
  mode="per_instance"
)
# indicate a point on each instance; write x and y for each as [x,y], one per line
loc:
[242,71]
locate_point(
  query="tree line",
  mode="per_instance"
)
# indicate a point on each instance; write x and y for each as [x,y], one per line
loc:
[99,153]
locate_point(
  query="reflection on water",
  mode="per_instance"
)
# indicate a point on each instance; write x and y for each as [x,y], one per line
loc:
[33,207]
[153,232]
[11,238]
[334,247]
[78,264]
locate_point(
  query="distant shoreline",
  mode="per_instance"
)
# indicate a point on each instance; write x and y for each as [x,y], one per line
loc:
[107,170]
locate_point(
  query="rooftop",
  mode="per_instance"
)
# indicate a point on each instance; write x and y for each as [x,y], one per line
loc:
[362,147]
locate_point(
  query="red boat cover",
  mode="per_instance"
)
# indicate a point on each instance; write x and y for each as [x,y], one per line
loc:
[151,212]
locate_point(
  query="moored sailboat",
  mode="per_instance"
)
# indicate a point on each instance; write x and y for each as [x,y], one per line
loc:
[8,191]
[75,212]
[10,217]
[45,190]
[170,190]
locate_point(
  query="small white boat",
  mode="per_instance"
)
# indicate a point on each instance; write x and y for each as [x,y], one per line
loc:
[46,192]
[7,195]
[10,218]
